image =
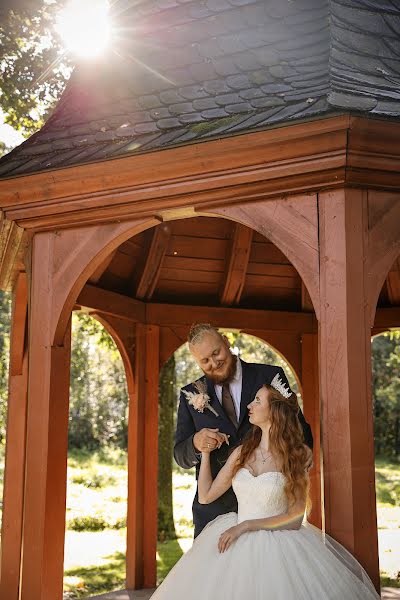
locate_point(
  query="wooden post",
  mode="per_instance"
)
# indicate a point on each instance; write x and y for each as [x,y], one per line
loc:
[13,495]
[345,376]
[311,410]
[142,462]
[46,438]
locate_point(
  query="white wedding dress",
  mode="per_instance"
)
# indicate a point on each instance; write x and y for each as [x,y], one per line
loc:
[299,564]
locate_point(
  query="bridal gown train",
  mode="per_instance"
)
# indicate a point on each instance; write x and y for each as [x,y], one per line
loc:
[299,564]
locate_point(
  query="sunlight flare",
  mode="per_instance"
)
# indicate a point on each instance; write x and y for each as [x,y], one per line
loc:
[85,27]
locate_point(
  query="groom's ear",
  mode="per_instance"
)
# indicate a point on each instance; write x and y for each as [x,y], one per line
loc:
[226,341]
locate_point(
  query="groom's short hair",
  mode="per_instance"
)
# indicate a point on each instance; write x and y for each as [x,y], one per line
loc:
[198,330]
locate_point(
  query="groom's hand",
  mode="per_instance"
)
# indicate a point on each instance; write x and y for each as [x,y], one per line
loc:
[207,440]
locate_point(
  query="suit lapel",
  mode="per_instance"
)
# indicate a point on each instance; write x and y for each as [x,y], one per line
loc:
[247,391]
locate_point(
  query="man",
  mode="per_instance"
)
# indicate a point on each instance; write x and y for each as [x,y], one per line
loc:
[213,411]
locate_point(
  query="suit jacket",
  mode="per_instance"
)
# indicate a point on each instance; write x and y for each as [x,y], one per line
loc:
[190,421]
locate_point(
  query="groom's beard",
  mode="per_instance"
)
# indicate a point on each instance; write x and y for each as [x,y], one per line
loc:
[228,375]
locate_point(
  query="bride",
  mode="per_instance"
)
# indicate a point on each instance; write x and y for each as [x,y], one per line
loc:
[265,551]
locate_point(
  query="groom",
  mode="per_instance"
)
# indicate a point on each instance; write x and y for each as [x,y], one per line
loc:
[215,406]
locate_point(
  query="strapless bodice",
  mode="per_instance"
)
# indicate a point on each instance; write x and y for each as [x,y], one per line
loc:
[259,496]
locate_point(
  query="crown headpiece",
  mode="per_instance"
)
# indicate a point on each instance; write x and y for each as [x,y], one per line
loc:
[280,387]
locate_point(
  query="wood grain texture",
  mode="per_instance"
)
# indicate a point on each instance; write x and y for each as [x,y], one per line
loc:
[345,376]
[237,260]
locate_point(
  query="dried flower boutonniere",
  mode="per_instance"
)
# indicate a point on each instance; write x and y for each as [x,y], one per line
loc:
[201,400]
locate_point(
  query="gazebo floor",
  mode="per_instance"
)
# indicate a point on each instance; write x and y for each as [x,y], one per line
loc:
[387,594]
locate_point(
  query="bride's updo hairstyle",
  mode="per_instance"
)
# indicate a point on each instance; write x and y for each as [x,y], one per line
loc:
[286,442]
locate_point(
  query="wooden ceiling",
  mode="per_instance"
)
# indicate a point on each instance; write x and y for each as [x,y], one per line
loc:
[212,262]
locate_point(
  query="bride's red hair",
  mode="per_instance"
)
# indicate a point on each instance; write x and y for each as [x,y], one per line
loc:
[286,441]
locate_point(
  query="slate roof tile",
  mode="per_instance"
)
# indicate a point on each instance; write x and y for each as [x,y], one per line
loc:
[200,63]
[168,123]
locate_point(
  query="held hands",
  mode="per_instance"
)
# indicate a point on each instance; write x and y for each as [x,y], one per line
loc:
[227,538]
[207,440]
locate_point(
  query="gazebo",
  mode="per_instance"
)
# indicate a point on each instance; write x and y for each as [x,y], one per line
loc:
[233,161]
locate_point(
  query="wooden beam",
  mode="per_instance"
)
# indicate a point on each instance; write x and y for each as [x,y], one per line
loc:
[393,283]
[143,462]
[11,244]
[98,299]
[14,470]
[152,265]
[172,315]
[96,275]
[238,259]
[387,318]
[306,302]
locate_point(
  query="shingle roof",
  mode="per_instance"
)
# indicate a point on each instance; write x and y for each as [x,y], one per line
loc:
[187,70]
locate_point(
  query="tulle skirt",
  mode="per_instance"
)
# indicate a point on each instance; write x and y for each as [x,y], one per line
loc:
[266,565]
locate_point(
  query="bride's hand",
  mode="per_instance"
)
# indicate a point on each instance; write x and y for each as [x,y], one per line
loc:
[229,536]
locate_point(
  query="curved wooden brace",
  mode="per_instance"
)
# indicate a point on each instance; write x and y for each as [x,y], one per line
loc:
[292,225]
[120,332]
[73,255]
[384,241]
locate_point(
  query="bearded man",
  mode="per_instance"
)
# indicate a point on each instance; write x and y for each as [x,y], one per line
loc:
[213,415]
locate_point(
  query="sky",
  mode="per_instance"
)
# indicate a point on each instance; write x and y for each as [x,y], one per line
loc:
[8,135]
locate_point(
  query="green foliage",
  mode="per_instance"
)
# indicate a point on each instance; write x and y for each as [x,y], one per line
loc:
[33,66]
[386,393]
[99,399]
[5,314]
[94,480]
[88,523]
[387,476]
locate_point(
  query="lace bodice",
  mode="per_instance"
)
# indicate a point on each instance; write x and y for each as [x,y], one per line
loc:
[259,496]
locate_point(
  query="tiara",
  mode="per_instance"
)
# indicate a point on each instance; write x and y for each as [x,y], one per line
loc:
[280,387]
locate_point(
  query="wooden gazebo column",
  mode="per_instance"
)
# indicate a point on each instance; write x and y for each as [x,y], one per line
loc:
[139,346]
[143,461]
[13,498]
[311,409]
[46,437]
[345,376]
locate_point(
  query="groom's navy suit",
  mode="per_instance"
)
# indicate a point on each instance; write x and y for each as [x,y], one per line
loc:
[190,421]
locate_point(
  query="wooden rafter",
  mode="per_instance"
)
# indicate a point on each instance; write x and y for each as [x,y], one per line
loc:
[96,275]
[152,265]
[393,284]
[306,302]
[238,260]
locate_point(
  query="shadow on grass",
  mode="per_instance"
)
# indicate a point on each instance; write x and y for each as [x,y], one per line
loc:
[110,576]
[387,488]
[97,579]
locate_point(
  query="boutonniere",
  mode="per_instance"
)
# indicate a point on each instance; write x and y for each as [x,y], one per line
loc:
[200,400]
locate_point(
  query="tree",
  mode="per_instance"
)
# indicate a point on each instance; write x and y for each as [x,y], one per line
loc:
[5,313]
[98,394]
[386,393]
[33,67]
[167,407]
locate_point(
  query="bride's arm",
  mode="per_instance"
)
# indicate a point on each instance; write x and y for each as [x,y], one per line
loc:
[292,519]
[209,489]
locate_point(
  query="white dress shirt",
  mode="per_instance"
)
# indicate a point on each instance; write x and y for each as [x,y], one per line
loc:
[235,388]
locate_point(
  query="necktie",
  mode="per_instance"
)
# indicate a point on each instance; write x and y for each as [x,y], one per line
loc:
[227,403]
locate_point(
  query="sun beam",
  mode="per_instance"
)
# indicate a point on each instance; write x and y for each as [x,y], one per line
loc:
[84,27]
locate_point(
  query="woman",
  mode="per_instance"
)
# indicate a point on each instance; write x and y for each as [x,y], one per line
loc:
[264,551]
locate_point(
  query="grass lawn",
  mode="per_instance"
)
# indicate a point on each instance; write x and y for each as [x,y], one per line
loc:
[388,510]
[96,533]
[96,500]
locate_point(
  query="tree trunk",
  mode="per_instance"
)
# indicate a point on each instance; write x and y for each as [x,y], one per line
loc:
[166,526]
